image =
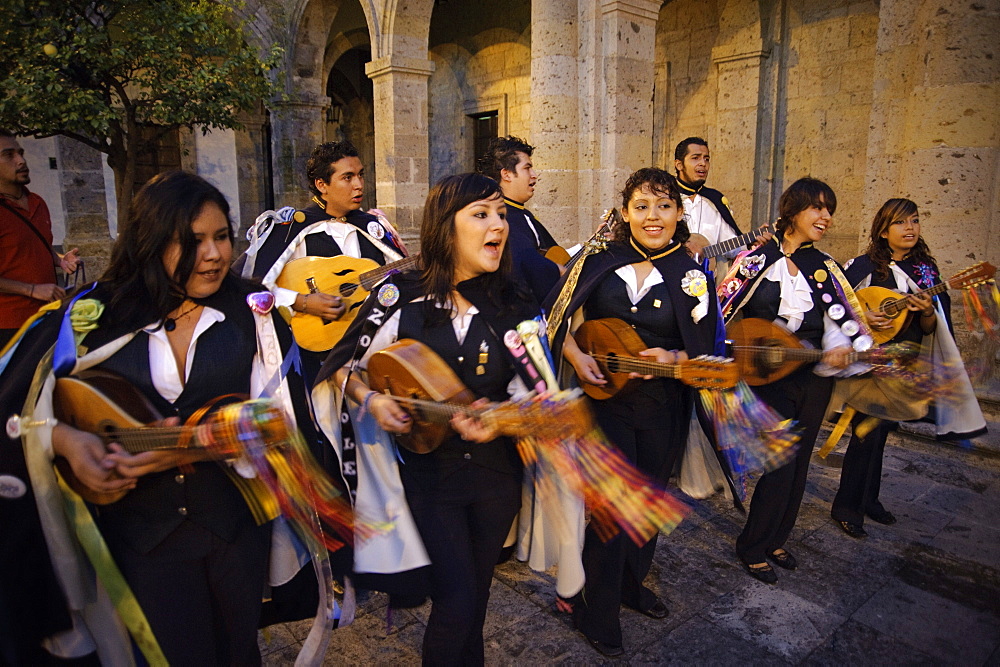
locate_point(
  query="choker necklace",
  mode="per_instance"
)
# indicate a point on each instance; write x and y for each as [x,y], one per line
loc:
[642,250]
[170,323]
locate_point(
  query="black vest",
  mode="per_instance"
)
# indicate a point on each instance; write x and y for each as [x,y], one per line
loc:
[764,304]
[499,454]
[161,501]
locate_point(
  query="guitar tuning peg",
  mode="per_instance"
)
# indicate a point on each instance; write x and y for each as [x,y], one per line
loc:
[16,426]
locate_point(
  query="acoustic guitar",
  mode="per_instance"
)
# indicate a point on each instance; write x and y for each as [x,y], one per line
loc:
[350,278]
[893,305]
[766,351]
[615,346]
[721,248]
[108,406]
[427,388]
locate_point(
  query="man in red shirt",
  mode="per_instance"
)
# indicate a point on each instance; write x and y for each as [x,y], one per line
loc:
[27,259]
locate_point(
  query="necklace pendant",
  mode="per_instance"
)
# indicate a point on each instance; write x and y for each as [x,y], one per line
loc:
[169,324]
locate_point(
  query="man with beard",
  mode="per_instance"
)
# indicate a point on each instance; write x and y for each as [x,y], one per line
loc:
[27,260]
[707,210]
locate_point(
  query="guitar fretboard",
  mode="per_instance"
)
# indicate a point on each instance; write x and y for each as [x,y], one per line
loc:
[729,245]
[781,354]
[370,279]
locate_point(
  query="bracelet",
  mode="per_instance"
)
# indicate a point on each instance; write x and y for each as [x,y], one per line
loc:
[365,403]
[31,294]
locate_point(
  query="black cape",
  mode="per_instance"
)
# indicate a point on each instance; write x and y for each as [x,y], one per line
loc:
[715,197]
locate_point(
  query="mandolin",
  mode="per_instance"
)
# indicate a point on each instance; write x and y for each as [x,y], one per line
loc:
[892,305]
[766,351]
[729,245]
[428,389]
[350,278]
[108,406]
[615,346]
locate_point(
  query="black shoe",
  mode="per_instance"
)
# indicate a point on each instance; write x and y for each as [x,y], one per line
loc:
[785,559]
[608,650]
[853,529]
[882,516]
[765,574]
[657,611]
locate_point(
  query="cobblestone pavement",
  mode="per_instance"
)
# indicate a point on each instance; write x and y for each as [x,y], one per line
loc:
[924,591]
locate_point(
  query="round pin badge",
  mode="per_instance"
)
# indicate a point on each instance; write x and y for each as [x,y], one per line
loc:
[820,275]
[694,283]
[512,340]
[388,294]
[836,312]
[299,216]
[376,230]
[12,487]
[827,298]
[850,328]
[862,343]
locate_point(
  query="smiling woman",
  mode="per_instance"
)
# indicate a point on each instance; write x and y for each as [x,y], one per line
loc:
[464,495]
[646,279]
[176,325]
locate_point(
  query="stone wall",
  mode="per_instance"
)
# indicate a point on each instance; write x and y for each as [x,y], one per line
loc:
[830,58]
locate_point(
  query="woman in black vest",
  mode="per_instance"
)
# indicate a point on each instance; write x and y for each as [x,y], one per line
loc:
[183,536]
[789,281]
[646,278]
[897,258]
[464,495]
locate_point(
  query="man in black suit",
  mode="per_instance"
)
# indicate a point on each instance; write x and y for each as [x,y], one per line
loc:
[508,161]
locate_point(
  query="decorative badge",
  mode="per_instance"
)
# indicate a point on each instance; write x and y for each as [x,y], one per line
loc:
[827,298]
[260,302]
[752,265]
[731,286]
[299,216]
[850,328]
[836,312]
[512,340]
[388,294]
[694,283]
[821,275]
[12,487]
[862,343]
[376,230]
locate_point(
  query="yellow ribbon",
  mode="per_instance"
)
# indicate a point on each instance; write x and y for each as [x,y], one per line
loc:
[110,576]
[838,431]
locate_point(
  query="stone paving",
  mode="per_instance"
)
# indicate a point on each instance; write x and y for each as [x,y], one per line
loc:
[924,591]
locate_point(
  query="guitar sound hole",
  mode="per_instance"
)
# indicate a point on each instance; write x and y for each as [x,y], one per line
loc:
[613,365]
[346,290]
[106,429]
[771,358]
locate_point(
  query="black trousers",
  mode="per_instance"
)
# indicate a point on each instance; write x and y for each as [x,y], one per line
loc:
[861,476]
[201,595]
[652,436]
[802,396]
[463,518]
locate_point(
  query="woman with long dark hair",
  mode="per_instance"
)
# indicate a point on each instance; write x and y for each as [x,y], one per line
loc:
[464,495]
[897,258]
[645,278]
[790,281]
[170,319]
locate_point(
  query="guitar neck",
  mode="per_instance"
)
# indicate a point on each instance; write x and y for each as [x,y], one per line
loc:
[370,279]
[798,353]
[729,245]
[626,364]
[153,438]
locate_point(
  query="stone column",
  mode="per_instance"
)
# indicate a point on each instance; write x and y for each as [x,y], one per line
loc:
[935,134]
[626,57]
[297,126]
[402,148]
[744,119]
[83,186]
[555,128]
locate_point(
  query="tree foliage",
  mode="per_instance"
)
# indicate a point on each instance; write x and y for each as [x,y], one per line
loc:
[100,70]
